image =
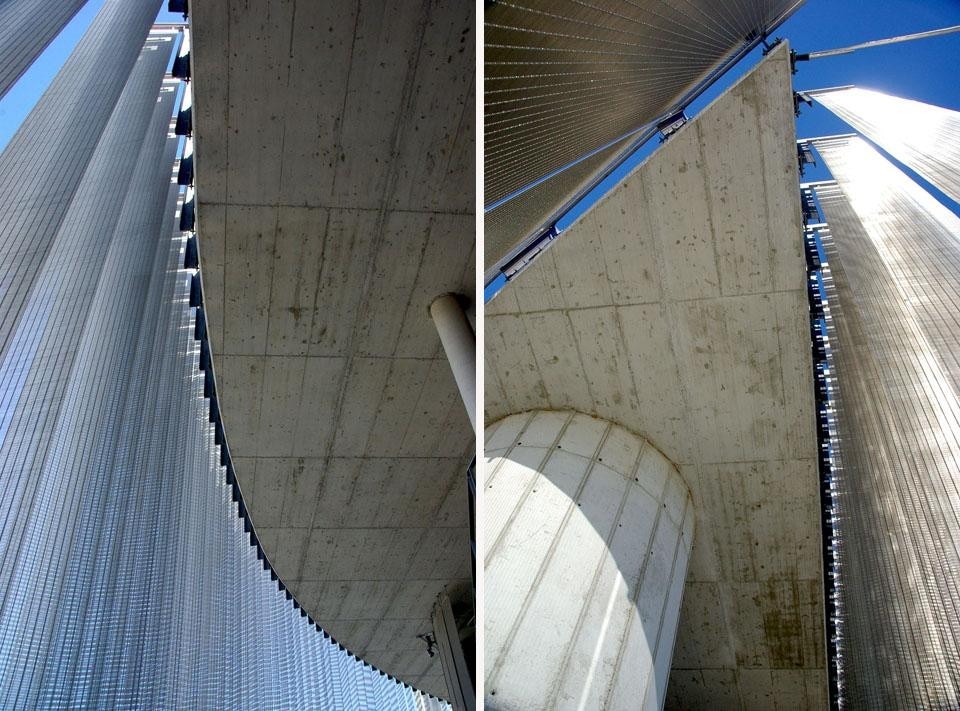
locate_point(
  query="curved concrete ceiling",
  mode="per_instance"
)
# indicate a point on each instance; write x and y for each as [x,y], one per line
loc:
[677,307]
[334,180]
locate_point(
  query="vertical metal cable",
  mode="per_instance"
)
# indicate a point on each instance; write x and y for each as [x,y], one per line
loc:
[894,259]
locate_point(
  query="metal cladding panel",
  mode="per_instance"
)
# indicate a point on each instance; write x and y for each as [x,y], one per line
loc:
[563,79]
[893,293]
[923,137]
[126,566]
[26,28]
[43,346]
[42,165]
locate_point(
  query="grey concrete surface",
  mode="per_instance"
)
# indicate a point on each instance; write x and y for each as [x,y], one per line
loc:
[334,175]
[677,307]
[587,541]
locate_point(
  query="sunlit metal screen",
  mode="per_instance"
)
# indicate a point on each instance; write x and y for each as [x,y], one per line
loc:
[127,572]
[894,331]
[923,137]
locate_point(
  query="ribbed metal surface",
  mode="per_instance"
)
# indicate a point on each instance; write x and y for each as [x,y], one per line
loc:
[26,28]
[923,137]
[563,79]
[892,280]
[42,165]
[43,346]
[127,574]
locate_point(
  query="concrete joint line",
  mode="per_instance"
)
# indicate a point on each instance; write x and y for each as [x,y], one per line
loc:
[508,643]
[596,579]
[636,595]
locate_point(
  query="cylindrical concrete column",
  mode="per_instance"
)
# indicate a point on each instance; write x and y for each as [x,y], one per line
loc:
[588,531]
[459,343]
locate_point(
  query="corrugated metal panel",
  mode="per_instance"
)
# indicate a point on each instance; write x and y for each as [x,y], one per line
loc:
[563,79]
[893,291]
[923,137]
[26,28]
[42,165]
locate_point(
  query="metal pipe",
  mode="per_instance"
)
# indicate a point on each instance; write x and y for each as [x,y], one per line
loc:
[877,43]
[459,343]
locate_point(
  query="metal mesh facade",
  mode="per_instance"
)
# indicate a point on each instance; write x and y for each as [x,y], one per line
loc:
[923,137]
[525,214]
[892,281]
[42,165]
[564,79]
[126,566]
[26,28]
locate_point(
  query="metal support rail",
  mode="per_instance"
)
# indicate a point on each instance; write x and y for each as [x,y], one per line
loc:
[818,272]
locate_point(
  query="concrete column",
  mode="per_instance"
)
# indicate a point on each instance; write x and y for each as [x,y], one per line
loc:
[459,343]
[588,532]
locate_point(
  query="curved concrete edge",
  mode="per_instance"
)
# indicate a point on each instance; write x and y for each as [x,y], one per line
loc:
[588,531]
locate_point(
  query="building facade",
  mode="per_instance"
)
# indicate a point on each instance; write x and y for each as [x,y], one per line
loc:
[131,575]
[26,28]
[887,274]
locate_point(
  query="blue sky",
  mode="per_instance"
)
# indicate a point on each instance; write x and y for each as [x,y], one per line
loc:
[15,106]
[923,69]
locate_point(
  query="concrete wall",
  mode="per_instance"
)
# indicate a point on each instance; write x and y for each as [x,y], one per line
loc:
[677,308]
[588,533]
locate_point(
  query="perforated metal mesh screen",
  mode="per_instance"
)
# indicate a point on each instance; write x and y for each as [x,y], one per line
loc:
[924,137]
[894,326]
[563,79]
[127,573]
[525,214]
[26,27]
